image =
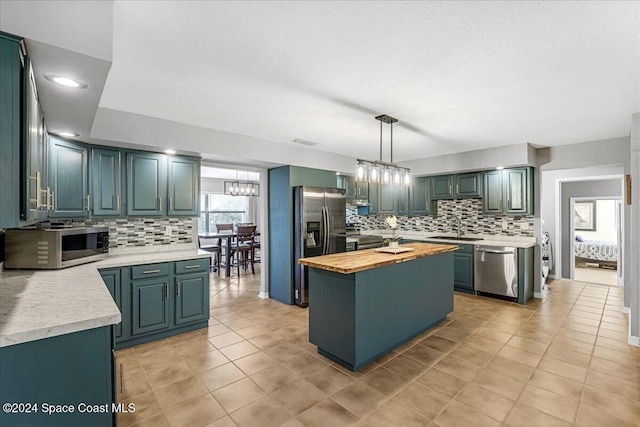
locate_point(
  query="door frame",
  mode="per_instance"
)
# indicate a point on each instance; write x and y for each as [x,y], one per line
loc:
[619,235]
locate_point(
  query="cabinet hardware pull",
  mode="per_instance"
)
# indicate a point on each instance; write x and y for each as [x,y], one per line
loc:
[159,203]
[53,201]
[449,188]
[121,378]
[178,289]
[88,202]
[38,190]
[166,291]
[458,188]
[191,266]
[150,271]
[170,204]
[117,202]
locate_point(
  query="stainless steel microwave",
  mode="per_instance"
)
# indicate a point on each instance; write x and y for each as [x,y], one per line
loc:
[50,249]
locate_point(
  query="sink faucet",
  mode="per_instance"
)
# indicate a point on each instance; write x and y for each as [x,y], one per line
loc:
[457,221]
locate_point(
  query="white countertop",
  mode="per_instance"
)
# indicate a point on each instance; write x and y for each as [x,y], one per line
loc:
[486,240]
[36,304]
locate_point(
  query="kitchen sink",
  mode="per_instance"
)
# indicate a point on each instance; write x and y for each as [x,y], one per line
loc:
[466,239]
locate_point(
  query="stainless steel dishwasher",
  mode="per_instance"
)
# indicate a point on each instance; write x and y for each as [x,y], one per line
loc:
[496,270]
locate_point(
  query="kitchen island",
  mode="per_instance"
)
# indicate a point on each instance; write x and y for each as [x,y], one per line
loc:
[363,304]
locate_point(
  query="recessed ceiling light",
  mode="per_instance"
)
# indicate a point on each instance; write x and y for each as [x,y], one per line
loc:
[170,151]
[499,168]
[66,133]
[64,80]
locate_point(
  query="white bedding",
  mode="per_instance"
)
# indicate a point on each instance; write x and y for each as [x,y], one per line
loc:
[595,250]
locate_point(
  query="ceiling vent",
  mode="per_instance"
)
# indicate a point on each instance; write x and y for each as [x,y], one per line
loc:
[305,142]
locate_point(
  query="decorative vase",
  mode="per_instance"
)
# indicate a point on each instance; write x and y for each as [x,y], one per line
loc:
[393,245]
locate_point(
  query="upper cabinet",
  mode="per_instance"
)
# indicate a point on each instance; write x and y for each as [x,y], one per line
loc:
[106,182]
[34,173]
[146,184]
[10,106]
[421,201]
[348,184]
[458,186]
[508,192]
[184,186]
[69,180]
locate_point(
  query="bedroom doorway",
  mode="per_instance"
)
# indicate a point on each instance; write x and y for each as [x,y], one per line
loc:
[596,240]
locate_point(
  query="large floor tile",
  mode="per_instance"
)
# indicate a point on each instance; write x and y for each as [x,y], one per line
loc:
[327,413]
[359,398]
[234,396]
[265,412]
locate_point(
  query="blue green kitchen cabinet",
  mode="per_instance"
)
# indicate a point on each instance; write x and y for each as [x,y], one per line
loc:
[69,179]
[403,200]
[348,184]
[35,173]
[106,182]
[62,370]
[146,184]
[159,300]
[387,199]
[458,186]
[112,279]
[184,186]
[10,107]
[463,269]
[508,192]
[421,202]
[192,291]
[373,196]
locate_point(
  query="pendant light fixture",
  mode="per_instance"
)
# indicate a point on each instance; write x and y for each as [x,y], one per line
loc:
[242,188]
[379,171]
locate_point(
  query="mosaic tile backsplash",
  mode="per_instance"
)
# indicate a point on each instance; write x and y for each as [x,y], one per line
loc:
[468,210]
[139,232]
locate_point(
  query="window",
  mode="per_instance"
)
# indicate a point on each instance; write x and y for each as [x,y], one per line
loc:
[221,209]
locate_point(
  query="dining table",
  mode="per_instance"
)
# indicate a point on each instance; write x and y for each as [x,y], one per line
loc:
[228,236]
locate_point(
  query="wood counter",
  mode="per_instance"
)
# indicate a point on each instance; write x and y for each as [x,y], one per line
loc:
[353,262]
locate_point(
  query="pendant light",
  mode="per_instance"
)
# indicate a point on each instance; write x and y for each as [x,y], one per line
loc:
[242,188]
[380,171]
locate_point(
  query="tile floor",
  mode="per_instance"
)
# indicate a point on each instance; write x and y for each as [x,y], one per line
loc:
[559,361]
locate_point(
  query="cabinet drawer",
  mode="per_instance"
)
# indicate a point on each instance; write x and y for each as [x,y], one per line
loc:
[192,266]
[149,270]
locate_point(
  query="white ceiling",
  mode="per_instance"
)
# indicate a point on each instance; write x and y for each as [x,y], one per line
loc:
[458,76]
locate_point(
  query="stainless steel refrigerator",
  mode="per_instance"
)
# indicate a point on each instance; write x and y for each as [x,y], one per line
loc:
[319,229]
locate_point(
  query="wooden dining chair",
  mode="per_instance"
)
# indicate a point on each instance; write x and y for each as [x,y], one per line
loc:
[208,244]
[243,247]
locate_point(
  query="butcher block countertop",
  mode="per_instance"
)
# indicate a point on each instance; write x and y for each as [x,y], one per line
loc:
[355,261]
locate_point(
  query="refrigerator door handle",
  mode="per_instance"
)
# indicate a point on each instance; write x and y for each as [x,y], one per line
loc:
[326,230]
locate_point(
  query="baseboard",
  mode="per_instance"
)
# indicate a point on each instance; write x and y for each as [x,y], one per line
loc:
[553,276]
[263,295]
[537,294]
[626,310]
[634,341]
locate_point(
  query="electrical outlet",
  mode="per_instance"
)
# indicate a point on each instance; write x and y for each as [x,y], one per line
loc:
[418,223]
[168,231]
[505,224]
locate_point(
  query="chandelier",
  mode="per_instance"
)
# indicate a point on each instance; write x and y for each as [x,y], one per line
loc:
[384,172]
[242,188]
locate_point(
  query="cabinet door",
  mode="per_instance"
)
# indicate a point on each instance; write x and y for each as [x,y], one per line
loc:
[146,184]
[492,194]
[373,197]
[387,199]
[517,190]
[112,279]
[361,190]
[468,185]
[184,186]
[68,179]
[150,305]
[419,195]
[442,187]
[192,298]
[33,178]
[106,179]
[402,199]
[463,270]
[10,71]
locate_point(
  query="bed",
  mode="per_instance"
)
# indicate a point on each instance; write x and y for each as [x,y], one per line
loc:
[605,254]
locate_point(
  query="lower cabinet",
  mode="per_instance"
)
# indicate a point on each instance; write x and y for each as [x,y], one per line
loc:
[72,369]
[159,300]
[463,269]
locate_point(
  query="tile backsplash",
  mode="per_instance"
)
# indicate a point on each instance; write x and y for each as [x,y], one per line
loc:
[468,210]
[143,232]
